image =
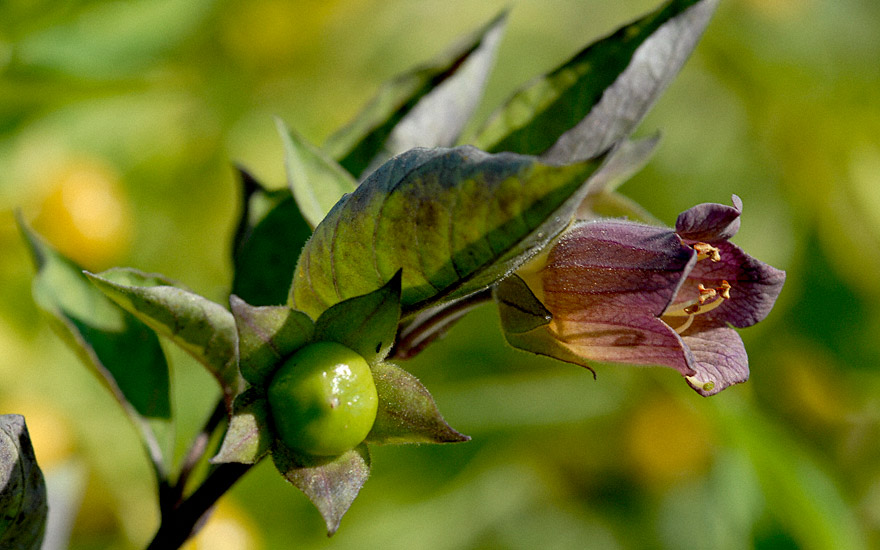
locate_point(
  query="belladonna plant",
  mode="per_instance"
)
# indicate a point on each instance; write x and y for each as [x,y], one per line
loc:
[626,292]
[386,235]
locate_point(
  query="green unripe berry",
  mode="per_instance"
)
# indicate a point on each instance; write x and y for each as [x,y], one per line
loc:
[323,400]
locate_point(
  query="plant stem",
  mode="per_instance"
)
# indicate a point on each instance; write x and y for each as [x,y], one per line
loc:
[179,523]
[199,445]
[429,326]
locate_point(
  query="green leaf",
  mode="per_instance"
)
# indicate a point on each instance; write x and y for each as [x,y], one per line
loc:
[330,483]
[270,235]
[519,309]
[455,220]
[367,324]
[315,179]
[123,352]
[248,436]
[266,335]
[23,506]
[524,320]
[427,106]
[599,96]
[407,412]
[204,329]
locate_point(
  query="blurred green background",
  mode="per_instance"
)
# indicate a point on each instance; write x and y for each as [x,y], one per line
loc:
[120,122]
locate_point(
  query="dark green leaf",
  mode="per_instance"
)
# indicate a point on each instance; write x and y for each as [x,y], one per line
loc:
[367,324]
[455,220]
[425,107]
[204,329]
[330,483]
[519,309]
[124,353]
[22,489]
[407,412]
[315,179]
[248,436]
[599,96]
[266,335]
[270,235]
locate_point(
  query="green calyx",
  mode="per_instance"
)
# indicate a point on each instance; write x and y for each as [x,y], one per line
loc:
[323,400]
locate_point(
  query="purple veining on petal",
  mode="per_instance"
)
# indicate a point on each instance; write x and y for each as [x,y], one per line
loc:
[613,335]
[720,357]
[754,286]
[607,282]
[634,266]
[709,222]
[626,292]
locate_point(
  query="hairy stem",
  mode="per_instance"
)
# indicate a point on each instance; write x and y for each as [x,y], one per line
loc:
[430,325]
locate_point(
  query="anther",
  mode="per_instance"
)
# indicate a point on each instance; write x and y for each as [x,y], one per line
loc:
[706,250]
[707,300]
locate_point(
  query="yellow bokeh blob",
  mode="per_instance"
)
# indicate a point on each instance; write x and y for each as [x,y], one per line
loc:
[86,214]
[666,441]
[271,31]
[228,528]
[49,428]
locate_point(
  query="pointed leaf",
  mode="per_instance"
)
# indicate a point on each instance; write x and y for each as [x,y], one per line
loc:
[519,309]
[455,220]
[202,328]
[248,436]
[315,179]
[428,106]
[407,412]
[266,335]
[600,95]
[123,352]
[23,507]
[367,324]
[524,320]
[270,235]
[330,483]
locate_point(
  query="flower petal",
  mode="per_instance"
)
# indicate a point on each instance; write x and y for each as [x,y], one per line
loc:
[709,222]
[612,335]
[720,357]
[628,265]
[607,282]
[754,286]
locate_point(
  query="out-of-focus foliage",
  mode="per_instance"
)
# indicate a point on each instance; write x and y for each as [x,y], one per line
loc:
[119,124]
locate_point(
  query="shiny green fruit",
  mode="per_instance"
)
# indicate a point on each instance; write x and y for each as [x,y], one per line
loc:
[323,400]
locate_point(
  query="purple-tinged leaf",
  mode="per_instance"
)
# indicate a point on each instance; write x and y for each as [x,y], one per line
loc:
[248,436]
[455,220]
[407,412]
[331,484]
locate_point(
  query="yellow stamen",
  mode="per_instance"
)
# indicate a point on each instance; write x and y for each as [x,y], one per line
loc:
[706,250]
[708,299]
